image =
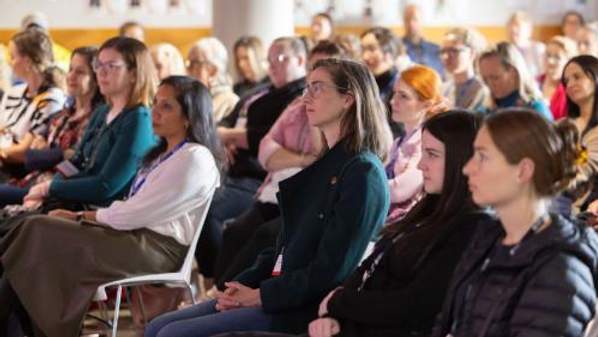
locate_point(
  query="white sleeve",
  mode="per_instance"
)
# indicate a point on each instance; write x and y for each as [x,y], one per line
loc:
[176,186]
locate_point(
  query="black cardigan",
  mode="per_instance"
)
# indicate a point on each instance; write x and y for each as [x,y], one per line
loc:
[405,293]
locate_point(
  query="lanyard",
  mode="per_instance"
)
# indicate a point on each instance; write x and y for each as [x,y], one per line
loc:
[143,173]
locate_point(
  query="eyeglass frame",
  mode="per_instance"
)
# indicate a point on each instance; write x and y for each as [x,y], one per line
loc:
[309,92]
[109,66]
[452,51]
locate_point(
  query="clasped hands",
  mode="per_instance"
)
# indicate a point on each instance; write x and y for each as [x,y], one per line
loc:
[237,296]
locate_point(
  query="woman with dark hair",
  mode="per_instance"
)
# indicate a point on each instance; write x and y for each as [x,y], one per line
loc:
[26,108]
[65,130]
[398,290]
[580,80]
[529,272]
[118,135]
[147,233]
[323,237]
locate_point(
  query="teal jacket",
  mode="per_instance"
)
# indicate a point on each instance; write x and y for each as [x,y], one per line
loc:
[108,157]
[330,211]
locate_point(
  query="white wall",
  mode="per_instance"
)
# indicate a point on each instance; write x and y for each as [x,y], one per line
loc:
[198,13]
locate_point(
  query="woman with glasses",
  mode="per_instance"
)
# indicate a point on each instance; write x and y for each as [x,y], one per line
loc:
[117,137]
[26,108]
[73,253]
[464,90]
[65,130]
[330,211]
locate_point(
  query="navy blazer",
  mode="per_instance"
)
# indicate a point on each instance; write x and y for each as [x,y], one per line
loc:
[330,211]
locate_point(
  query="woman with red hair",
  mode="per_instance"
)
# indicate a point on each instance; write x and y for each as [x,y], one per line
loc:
[417,95]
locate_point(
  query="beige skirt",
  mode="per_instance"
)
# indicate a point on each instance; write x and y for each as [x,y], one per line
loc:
[55,265]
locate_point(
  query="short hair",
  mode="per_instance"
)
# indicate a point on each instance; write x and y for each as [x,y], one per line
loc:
[326,47]
[468,37]
[216,54]
[292,44]
[137,58]
[128,25]
[388,41]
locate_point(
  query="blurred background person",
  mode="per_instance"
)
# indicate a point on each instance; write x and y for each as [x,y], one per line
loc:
[419,50]
[322,27]
[571,23]
[208,63]
[463,89]
[168,60]
[250,63]
[519,32]
[587,39]
[559,50]
[132,29]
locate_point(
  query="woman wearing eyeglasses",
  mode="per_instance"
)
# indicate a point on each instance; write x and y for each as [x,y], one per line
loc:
[117,137]
[330,211]
[464,90]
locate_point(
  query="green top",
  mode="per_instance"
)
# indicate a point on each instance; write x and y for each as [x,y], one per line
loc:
[108,157]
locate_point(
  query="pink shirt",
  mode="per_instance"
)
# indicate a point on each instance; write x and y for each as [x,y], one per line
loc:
[292,132]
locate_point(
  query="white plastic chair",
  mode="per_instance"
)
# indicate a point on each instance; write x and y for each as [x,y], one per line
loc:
[180,278]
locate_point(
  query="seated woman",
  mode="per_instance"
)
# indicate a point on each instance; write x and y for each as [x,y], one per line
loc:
[26,108]
[528,273]
[147,233]
[250,63]
[416,96]
[208,62]
[505,72]
[398,290]
[167,60]
[118,135]
[330,211]
[65,130]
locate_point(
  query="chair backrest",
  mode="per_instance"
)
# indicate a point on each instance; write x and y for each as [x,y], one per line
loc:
[188,263]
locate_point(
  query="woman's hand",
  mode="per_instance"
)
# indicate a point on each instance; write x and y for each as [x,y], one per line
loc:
[38,143]
[63,213]
[324,327]
[237,295]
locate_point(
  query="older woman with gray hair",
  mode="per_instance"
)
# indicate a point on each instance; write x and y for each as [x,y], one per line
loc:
[207,62]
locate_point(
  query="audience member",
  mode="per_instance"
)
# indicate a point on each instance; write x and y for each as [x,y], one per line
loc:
[419,50]
[322,27]
[504,71]
[208,63]
[324,237]
[571,24]
[250,64]
[147,233]
[527,263]
[167,60]
[519,33]
[464,90]
[133,30]
[559,50]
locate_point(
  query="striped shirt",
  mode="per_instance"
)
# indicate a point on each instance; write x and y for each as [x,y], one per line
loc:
[20,115]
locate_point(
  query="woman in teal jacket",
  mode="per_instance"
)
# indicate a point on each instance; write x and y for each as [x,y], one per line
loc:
[330,211]
[118,136]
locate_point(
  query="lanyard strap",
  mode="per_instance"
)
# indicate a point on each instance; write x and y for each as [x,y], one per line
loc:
[143,173]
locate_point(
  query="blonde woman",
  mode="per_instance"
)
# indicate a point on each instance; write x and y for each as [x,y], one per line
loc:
[250,64]
[168,60]
[505,72]
[559,50]
[207,62]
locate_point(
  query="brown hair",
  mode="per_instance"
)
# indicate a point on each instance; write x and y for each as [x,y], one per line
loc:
[36,45]
[364,124]
[523,133]
[138,59]
[257,55]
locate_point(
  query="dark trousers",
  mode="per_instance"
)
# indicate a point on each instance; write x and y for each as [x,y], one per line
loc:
[236,234]
[11,195]
[14,321]
[230,201]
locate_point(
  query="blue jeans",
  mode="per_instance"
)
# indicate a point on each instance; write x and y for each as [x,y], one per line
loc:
[204,320]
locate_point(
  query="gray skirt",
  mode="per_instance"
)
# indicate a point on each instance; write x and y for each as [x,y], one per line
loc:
[55,265]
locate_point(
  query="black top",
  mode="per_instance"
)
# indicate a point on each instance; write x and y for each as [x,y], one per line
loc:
[545,287]
[385,83]
[405,292]
[261,115]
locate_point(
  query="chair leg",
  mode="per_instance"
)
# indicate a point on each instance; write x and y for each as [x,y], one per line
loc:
[191,294]
[116,311]
[141,306]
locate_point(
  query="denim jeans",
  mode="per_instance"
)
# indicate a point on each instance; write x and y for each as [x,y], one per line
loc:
[204,320]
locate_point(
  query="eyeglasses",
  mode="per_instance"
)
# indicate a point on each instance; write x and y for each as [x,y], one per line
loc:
[451,51]
[108,66]
[279,59]
[315,89]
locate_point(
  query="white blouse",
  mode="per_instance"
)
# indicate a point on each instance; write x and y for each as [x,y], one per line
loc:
[172,198]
